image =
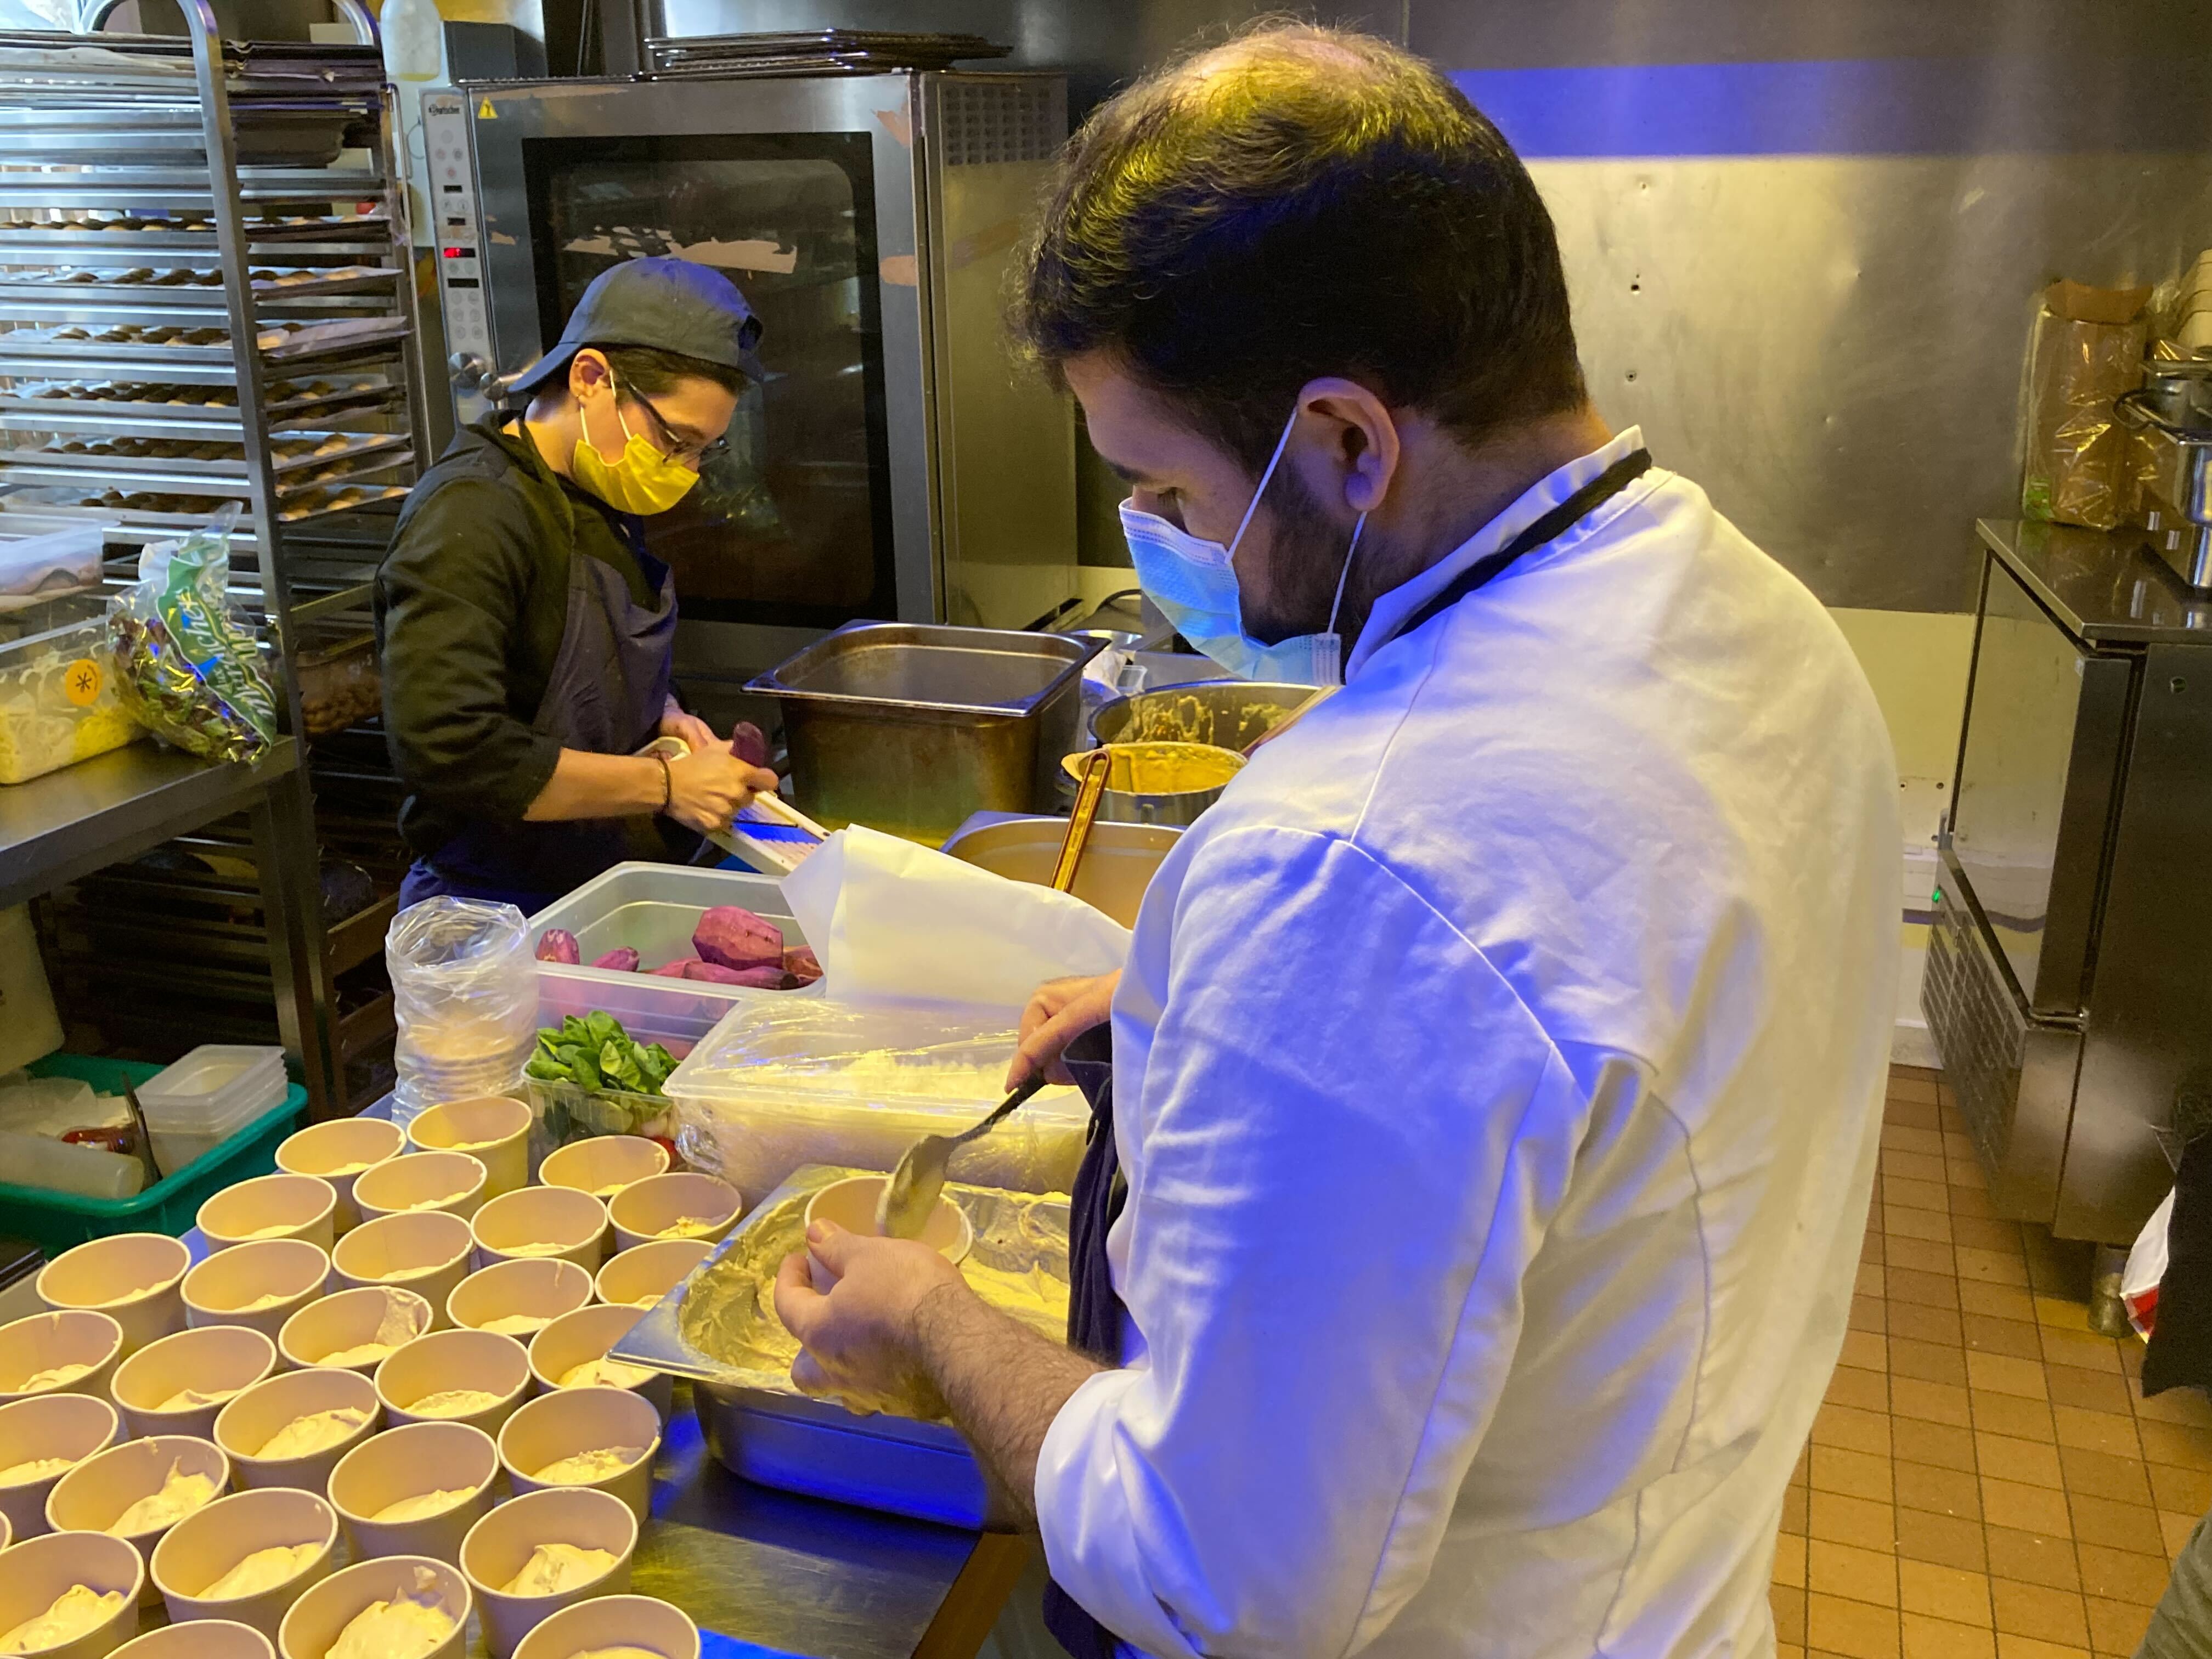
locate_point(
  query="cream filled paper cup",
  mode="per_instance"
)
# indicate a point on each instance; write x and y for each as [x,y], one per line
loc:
[43,1438]
[355,1330]
[317,1619]
[572,1353]
[271,1207]
[246,1558]
[133,1278]
[291,1429]
[453,1182]
[70,1351]
[684,1204]
[138,1490]
[341,1152]
[613,1621]
[541,1223]
[492,1129]
[416,1490]
[500,1549]
[426,1252]
[201,1638]
[603,1166]
[477,1377]
[259,1284]
[641,1275]
[177,1385]
[518,1298]
[602,1438]
[33,1575]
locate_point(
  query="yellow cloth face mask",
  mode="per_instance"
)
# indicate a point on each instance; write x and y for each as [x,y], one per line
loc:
[641,480]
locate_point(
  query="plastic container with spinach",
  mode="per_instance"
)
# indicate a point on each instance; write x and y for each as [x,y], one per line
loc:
[590,1077]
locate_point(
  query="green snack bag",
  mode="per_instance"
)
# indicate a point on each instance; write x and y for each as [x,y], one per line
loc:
[189,664]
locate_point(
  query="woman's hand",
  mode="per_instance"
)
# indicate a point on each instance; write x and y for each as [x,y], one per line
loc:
[695,732]
[1061,1011]
[708,787]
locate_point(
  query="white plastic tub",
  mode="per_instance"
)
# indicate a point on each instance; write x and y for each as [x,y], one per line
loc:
[207,1096]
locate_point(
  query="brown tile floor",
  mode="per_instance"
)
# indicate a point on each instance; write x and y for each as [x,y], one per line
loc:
[1986,1479]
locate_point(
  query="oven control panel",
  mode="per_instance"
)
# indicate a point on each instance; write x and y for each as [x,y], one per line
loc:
[458,230]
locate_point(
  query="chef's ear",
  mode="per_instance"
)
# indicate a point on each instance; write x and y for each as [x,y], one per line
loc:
[1359,438]
[589,373]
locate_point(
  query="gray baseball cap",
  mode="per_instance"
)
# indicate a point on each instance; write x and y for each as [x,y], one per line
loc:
[667,303]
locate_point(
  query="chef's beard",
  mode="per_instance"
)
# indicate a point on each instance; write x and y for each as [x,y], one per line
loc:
[1293,583]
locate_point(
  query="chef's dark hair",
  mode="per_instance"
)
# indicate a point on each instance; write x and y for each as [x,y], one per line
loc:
[652,371]
[1300,202]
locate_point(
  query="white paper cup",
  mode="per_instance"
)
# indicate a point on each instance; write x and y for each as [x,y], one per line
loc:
[41,1426]
[851,1204]
[539,1222]
[577,1338]
[447,1360]
[92,1496]
[341,1152]
[449,1181]
[222,1289]
[646,1209]
[572,1420]
[36,1574]
[302,1205]
[501,1545]
[225,1359]
[427,1252]
[205,1546]
[613,1621]
[316,1618]
[604,1164]
[131,1277]
[201,1638]
[407,1463]
[248,1423]
[641,1275]
[332,1324]
[492,1129]
[542,1290]
[49,1341]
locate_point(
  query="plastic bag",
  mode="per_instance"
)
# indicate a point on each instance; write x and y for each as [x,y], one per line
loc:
[2087,350]
[189,665]
[2146,1269]
[465,993]
[781,1083]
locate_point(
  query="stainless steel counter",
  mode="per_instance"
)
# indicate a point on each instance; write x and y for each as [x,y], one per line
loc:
[769,1572]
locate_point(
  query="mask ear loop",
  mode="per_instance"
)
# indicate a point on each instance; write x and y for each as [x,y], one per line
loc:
[1280,444]
[1328,646]
[615,391]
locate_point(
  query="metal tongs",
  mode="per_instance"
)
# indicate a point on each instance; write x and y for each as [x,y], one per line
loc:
[903,1207]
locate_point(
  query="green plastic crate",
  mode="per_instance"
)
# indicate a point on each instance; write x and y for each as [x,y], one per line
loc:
[55,1221]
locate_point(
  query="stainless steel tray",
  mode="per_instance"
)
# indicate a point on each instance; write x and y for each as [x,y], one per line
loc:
[340,231]
[391,448]
[763,1428]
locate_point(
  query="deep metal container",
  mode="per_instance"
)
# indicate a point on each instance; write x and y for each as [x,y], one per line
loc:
[1227,713]
[1178,807]
[909,728]
[1118,860]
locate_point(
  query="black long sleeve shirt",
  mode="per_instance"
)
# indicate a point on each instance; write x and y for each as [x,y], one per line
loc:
[471,601]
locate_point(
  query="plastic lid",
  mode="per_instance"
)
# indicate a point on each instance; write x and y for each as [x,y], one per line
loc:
[214,1081]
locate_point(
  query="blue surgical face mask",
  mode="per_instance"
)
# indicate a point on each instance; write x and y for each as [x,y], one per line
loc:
[1193,582]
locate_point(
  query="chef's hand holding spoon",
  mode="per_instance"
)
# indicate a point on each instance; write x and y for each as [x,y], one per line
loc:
[1061,1011]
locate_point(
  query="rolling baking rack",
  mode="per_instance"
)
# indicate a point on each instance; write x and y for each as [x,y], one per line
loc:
[208,295]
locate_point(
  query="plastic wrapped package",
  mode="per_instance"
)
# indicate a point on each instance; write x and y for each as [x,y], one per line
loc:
[778,1084]
[59,702]
[2087,350]
[189,664]
[464,994]
[36,568]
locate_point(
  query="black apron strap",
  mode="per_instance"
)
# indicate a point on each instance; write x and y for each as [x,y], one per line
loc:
[1549,528]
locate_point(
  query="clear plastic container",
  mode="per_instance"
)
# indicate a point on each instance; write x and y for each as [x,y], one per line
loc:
[37,566]
[205,1097]
[781,1083]
[57,694]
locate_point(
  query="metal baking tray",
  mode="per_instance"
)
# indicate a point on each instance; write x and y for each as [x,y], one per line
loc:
[339,230]
[761,1427]
[20,294]
[158,417]
[358,447]
[42,348]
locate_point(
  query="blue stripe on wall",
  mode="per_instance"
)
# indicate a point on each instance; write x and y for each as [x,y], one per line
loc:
[1851,107]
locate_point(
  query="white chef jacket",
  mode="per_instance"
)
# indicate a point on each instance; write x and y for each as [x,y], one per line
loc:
[1498,1070]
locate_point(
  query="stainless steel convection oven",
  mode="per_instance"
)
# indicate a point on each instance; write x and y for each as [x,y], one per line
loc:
[2070,968]
[894,464]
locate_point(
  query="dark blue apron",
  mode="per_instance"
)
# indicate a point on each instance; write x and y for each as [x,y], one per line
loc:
[1094,1308]
[606,696]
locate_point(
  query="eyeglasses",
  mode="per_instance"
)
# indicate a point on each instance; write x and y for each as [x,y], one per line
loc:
[692,455]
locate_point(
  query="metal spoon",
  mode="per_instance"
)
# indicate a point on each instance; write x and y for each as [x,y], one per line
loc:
[903,1207]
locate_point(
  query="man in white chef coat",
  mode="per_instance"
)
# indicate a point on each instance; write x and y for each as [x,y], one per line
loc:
[1497,1068]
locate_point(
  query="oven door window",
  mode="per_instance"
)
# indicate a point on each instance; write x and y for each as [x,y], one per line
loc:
[790,527]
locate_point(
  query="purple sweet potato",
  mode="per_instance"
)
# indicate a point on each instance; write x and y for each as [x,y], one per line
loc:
[559,945]
[730,936]
[676,969]
[623,959]
[801,964]
[765,979]
[748,743]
